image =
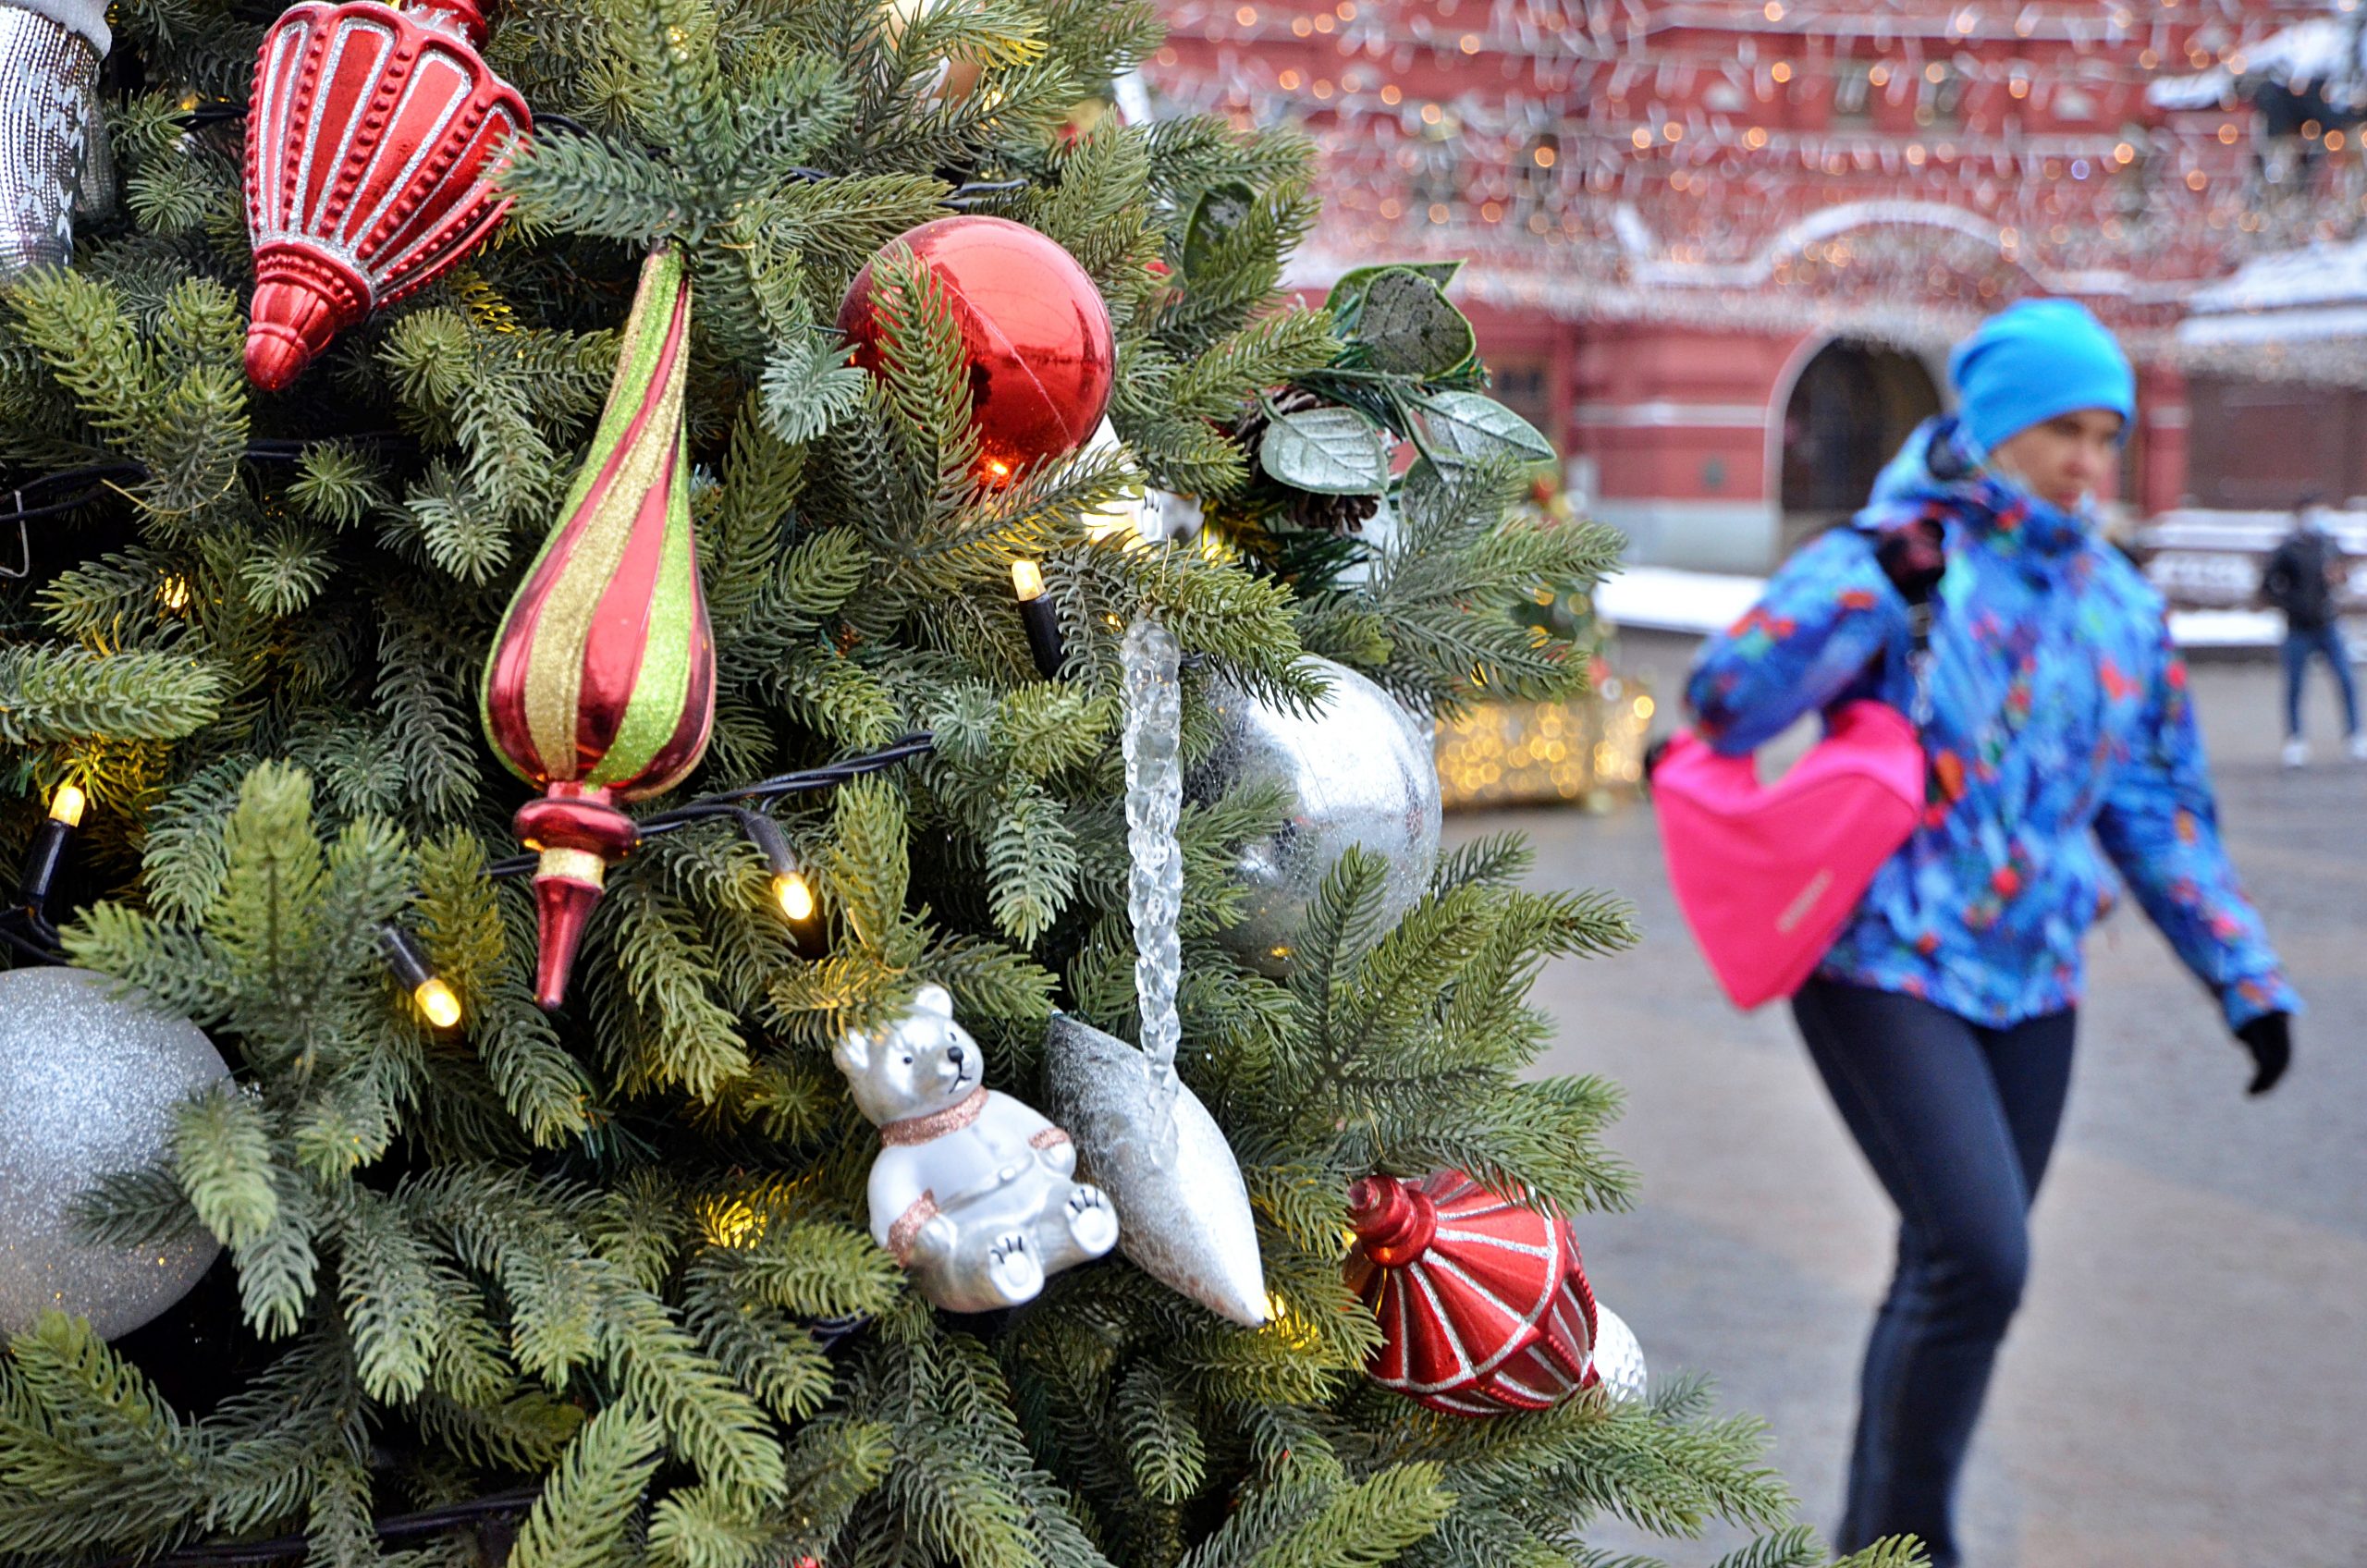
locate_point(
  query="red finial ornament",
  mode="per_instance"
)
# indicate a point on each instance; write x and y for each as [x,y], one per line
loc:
[1483,1306]
[372,147]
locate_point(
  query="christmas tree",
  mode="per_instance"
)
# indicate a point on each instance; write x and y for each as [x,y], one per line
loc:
[544,1185]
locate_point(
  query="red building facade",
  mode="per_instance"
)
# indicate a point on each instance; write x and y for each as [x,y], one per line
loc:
[1718,250]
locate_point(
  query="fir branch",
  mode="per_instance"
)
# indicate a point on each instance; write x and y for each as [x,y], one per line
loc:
[222,1146]
[705,1416]
[1031,865]
[276,1266]
[663,971]
[337,484]
[806,389]
[392,1298]
[702,1527]
[589,1499]
[1162,1436]
[834,1462]
[814,1268]
[924,385]
[50,695]
[765,1352]
[1793,1548]
[580,185]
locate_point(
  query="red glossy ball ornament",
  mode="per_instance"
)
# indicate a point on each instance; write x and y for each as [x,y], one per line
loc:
[1483,1306]
[373,146]
[1042,356]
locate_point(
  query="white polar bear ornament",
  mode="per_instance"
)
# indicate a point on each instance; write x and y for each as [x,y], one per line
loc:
[973,1192]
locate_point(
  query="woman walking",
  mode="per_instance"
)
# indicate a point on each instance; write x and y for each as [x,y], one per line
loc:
[2054,717]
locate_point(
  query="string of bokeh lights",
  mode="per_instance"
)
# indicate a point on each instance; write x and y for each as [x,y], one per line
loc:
[1522,178]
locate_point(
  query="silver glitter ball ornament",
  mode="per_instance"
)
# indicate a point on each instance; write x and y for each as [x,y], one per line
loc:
[53,145]
[1360,771]
[89,1084]
[1618,1359]
[1183,1214]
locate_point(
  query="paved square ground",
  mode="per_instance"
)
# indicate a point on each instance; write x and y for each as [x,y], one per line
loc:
[2187,1385]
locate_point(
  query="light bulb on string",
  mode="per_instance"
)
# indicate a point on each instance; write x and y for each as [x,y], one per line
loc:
[794,895]
[438,1004]
[1037,615]
[48,850]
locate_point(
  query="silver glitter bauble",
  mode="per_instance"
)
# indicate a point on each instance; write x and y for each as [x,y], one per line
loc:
[1183,1210]
[53,146]
[1358,772]
[1618,1359]
[89,1084]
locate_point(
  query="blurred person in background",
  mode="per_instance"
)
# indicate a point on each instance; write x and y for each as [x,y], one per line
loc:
[2054,715]
[2304,578]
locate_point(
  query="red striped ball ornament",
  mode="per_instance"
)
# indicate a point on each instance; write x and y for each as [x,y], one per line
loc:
[600,688]
[1483,1306]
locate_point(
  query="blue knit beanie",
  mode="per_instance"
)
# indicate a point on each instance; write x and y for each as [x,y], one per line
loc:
[2034,361]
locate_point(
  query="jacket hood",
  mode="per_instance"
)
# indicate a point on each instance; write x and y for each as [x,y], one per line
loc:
[1935,475]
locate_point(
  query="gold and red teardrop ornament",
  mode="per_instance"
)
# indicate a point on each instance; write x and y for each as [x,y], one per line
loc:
[600,688]
[374,141]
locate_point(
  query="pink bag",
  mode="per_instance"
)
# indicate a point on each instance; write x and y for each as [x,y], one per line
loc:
[1766,875]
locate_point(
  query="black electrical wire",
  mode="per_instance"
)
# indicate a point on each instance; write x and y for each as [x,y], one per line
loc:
[280,1548]
[32,502]
[31,936]
[964,197]
[726,803]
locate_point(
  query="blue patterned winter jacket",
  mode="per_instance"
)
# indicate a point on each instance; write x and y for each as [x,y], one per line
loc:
[2059,719]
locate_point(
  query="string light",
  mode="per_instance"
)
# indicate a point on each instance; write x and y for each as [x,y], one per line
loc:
[2148,235]
[438,1004]
[794,895]
[1520,753]
[1041,619]
[46,854]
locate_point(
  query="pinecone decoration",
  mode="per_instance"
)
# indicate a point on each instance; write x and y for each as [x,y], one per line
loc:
[1336,514]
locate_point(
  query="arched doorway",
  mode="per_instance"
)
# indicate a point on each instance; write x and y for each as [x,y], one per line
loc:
[1853,405]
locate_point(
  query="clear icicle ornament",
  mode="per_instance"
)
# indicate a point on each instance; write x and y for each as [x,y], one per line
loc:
[1151,660]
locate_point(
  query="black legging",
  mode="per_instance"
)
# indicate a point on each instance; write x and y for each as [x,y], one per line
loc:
[1958,1121]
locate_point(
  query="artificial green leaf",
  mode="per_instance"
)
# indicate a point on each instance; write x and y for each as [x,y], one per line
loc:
[1463,427]
[1331,450]
[1409,326]
[1346,301]
[1216,213]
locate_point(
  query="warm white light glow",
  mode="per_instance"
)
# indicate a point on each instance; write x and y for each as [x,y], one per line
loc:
[437,1002]
[794,896]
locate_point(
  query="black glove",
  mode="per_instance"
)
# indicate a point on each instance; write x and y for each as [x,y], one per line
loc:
[2270,1039]
[1914,556]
